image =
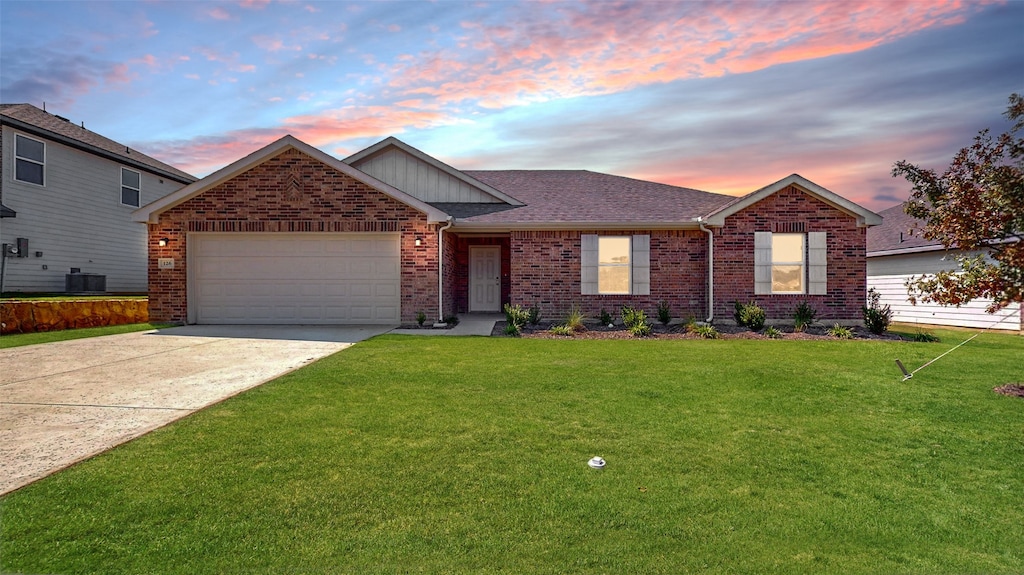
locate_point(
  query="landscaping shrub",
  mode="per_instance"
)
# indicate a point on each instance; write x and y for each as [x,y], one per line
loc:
[840,332]
[563,330]
[772,332]
[803,316]
[876,317]
[451,320]
[512,329]
[664,312]
[706,331]
[516,316]
[606,318]
[631,316]
[534,314]
[752,316]
[420,318]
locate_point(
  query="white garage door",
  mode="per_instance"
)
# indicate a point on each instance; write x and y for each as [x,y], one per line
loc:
[276,278]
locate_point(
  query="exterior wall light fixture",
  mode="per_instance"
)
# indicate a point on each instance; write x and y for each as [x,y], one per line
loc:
[163,242]
[419,241]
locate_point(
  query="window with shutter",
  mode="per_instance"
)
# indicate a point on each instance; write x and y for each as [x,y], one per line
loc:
[615,265]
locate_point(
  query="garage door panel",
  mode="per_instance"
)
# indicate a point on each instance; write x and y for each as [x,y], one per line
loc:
[295,278]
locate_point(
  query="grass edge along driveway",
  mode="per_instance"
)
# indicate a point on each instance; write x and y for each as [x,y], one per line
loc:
[415,454]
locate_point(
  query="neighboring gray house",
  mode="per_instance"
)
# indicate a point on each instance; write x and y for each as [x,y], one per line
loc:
[68,195]
[897,252]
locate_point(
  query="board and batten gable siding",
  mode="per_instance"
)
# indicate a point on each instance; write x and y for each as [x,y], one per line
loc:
[888,276]
[420,179]
[75,219]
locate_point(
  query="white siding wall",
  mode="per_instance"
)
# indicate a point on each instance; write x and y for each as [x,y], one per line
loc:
[888,276]
[75,220]
[421,180]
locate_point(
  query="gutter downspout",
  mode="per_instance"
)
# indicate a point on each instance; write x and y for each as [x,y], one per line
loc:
[440,272]
[711,269]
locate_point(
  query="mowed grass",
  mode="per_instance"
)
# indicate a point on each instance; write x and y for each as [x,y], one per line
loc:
[469,455]
[20,339]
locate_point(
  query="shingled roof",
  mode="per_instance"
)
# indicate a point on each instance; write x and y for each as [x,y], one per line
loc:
[31,119]
[582,197]
[898,232]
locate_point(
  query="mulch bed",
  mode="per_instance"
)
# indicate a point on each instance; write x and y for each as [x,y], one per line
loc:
[678,331]
[1011,389]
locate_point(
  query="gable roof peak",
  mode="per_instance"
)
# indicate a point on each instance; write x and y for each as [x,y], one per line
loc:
[151,212]
[864,216]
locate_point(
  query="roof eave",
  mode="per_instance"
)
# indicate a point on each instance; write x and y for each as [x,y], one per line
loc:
[80,145]
[470,226]
[150,213]
[902,251]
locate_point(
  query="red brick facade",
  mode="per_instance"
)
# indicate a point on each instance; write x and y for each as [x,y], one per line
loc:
[295,193]
[545,271]
[291,193]
[785,210]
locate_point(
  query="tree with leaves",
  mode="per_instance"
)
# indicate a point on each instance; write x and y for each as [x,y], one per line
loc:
[976,205]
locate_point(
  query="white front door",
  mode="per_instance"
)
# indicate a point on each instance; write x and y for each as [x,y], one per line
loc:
[484,278]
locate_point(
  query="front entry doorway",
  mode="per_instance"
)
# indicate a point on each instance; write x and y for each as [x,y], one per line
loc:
[484,278]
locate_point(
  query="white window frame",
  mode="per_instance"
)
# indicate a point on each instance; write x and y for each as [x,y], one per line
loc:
[815,264]
[639,264]
[18,158]
[125,186]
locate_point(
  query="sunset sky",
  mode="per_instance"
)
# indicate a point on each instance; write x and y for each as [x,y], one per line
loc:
[723,97]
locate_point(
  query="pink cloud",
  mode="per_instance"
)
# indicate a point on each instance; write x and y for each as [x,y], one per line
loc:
[203,155]
[272,44]
[219,13]
[566,50]
[254,4]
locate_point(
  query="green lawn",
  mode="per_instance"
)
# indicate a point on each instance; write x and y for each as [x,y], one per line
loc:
[20,339]
[464,455]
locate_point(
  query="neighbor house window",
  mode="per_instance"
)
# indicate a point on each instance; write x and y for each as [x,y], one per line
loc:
[615,265]
[29,159]
[790,263]
[787,263]
[131,187]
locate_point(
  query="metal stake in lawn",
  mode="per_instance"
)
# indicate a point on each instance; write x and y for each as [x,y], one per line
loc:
[909,374]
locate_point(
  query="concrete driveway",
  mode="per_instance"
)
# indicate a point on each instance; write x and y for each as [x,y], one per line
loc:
[63,402]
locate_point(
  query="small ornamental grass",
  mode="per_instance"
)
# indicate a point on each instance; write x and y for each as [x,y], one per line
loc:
[575,318]
[562,330]
[840,332]
[771,332]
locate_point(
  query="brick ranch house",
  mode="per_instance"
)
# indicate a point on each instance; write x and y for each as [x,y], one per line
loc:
[290,234]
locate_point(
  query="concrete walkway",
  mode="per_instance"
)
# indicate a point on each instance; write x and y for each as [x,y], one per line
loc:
[469,324]
[63,402]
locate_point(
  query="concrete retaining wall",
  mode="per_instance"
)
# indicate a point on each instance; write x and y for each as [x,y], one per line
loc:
[32,316]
